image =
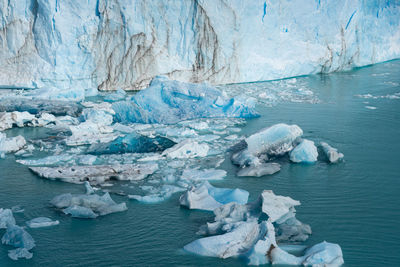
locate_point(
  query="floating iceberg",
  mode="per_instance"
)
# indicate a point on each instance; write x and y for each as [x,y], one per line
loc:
[275,140]
[305,152]
[88,133]
[158,195]
[96,173]
[13,144]
[119,94]
[19,119]
[187,149]
[17,237]
[331,153]
[276,207]
[322,254]
[207,197]
[133,143]
[6,218]
[168,101]
[259,169]
[41,222]
[87,206]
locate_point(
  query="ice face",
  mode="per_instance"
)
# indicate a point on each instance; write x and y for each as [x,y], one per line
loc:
[41,222]
[167,101]
[275,140]
[6,218]
[305,152]
[207,197]
[331,153]
[97,173]
[133,143]
[88,45]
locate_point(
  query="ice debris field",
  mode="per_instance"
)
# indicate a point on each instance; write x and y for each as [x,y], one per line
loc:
[170,138]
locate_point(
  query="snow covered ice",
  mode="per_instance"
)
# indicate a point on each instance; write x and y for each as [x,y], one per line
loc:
[305,152]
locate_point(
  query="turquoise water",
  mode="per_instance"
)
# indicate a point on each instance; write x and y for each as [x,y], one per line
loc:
[355,203]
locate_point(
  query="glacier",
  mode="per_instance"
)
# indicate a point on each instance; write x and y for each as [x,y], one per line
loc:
[82,46]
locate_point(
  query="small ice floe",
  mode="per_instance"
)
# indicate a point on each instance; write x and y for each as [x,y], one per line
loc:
[331,153]
[187,149]
[305,152]
[6,218]
[17,237]
[87,206]
[40,222]
[194,175]
[259,170]
[370,107]
[89,132]
[157,195]
[97,174]
[207,197]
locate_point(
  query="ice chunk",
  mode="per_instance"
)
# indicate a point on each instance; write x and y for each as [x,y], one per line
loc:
[275,140]
[260,169]
[322,254]
[245,158]
[276,207]
[230,244]
[187,149]
[87,206]
[259,253]
[96,116]
[2,140]
[97,173]
[291,229]
[331,153]
[305,152]
[89,189]
[167,101]
[119,94]
[208,197]
[13,144]
[202,175]
[158,195]
[41,222]
[6,218]
[17,237]
[132,143]
[90,133]
[19,119]
[19,253]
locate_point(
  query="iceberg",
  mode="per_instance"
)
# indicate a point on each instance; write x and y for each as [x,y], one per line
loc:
[275,140]
[168,101]
[88,133]
[96,173]
[41,222]
[6,218]
[187,149]
[19,253]
[305,152]
[133,143]
[158,195]
[207,197]
[331,153]
[87,206]
[17,237]
[13,144]
[194,175]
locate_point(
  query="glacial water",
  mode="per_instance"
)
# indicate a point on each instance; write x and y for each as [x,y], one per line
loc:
[354,203]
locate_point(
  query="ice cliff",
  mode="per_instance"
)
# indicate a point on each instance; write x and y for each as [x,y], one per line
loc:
[122,44]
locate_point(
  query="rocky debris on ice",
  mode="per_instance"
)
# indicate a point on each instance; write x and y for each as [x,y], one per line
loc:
[331,153]
[132,143]
[97,173]
[207,197]
[168,101]
[187,149]
[40,222]
[17,237]
[87,205]
[6,218]
[305,152]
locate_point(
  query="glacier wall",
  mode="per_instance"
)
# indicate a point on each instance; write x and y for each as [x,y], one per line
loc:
[110,44]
